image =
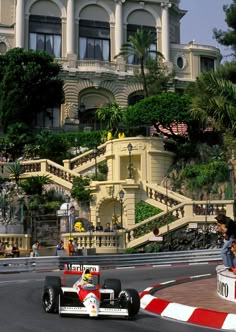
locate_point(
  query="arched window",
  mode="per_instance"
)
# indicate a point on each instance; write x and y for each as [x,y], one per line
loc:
[94,40]
[45,34]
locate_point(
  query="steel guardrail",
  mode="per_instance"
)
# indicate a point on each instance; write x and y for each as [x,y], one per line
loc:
[50,263]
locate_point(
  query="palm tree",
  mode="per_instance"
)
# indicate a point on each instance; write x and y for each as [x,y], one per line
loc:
[215,101]
[16,170]
[139,46]
[34,185]
[111,116]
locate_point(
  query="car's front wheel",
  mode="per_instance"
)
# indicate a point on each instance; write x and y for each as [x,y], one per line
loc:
[130,300]
[50,299]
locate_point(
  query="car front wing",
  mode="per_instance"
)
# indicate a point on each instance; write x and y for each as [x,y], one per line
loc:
[67,310]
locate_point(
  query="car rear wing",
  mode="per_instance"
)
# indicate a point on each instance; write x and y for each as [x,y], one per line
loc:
[80,269]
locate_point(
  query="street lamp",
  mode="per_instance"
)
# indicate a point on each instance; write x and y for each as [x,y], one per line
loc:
[130,148]
[232,184]
[121,196]
[67,199]
[231,173]
[95,152]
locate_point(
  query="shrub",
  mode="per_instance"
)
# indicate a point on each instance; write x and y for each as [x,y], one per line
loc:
[144,211]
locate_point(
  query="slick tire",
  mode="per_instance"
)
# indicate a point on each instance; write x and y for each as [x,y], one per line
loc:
[129,299]
[50,299]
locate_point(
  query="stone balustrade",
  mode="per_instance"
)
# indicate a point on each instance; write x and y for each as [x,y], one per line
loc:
[103,242]
[83,159]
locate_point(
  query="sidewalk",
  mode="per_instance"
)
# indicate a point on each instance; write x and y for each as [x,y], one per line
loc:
[199,293]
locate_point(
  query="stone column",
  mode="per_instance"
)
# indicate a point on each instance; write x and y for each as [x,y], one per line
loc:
[118,25]
[165,31]
[20,23]
[159,39]
[70,27]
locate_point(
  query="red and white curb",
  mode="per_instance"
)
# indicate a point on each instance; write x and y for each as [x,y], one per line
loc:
[184,313]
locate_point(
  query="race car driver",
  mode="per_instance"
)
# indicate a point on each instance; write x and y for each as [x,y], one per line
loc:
[86,279]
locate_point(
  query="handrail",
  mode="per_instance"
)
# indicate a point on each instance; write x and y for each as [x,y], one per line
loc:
[29,264]
[82,159]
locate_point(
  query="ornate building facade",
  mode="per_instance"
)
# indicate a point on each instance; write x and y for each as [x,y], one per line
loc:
[85,35]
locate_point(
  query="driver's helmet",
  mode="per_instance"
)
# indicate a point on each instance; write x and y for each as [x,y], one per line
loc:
[88,278]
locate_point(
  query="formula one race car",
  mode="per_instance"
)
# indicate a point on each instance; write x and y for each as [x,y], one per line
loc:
[88,298]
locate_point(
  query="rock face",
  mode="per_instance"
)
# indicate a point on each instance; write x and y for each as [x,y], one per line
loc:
[185,239]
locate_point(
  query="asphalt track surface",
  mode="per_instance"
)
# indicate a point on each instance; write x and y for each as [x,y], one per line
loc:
[21,310]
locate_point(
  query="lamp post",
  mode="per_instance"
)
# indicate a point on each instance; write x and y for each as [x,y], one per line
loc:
[121,196]
[95,152]
[231,173]
[207,211]
[130,148]
[67,199]
[232,183]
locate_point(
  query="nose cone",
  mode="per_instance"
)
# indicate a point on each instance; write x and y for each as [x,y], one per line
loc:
[92,304]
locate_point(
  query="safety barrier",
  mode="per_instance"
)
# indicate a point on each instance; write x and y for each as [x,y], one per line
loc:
[30,264]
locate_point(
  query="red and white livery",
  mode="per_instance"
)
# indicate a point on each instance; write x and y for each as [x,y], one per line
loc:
[89,299]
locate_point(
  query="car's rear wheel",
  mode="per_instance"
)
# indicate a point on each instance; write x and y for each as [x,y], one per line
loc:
[50,299]
[130,300]
[114,284]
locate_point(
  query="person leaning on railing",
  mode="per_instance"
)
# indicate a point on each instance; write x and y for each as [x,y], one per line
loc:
[15,251]
[228,227]
[233,250]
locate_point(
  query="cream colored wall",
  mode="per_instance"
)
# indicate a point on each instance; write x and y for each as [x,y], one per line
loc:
[7,12]
[146,155]
[113,82]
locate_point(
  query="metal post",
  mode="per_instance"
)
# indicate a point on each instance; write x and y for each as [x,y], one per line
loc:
[95,151]
[130,148]
[167,224]
[121,195]
[232,184]
[67,199]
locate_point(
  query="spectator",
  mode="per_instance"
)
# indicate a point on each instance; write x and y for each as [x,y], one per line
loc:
[115,226]
[35,249]
[91,227]
[9,158]
[70,248]
[228,227]
[2,249]
[233,250]
[76,246]
[15,251]
[108,228]
[99,227]
[59,247]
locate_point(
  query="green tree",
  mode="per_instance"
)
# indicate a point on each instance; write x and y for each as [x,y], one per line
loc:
[53,146]
[162,112]
[111,116]
[16,170]
[79,190]
[35,184]
[228,38]
[29,84]
[139,46]
[15,139]
[214,102]
[158,76]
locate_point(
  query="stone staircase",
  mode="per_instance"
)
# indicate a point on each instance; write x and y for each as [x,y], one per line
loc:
[178,210]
